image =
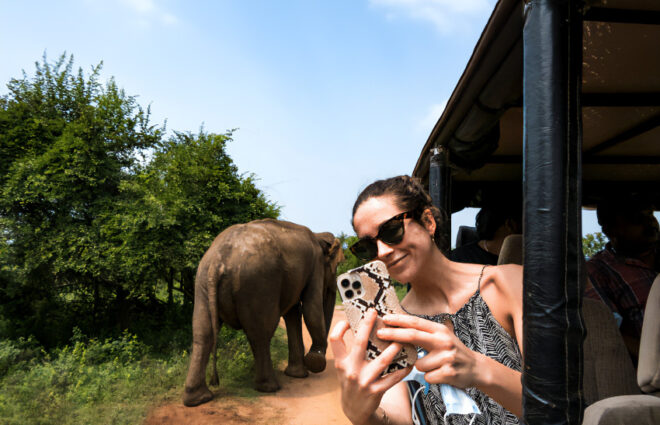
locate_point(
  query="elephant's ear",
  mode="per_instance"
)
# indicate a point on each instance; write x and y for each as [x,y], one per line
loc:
[331,247]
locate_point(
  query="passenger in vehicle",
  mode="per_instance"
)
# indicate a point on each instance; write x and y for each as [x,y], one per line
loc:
[467,317]
[621,275]
[495,221]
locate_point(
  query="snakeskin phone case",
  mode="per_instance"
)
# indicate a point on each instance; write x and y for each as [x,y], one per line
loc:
[369,286]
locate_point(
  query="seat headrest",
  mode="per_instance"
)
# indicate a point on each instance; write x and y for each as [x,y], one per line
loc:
[465,235]
[512,250]
[648,368]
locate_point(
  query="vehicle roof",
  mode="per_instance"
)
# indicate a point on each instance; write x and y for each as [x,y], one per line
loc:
[482,124]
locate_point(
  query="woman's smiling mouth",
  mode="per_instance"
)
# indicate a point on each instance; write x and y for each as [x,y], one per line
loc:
[397,261]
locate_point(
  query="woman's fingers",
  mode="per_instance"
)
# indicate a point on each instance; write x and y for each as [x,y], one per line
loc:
[446,374]
[364,330]
[336,339]
[436,360]
[375,367]
[409,321]
[428,341]
[391,379]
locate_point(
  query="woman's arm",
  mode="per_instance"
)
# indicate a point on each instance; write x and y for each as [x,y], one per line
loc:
[366,397]
[503,387]
[449,361]
[396,405]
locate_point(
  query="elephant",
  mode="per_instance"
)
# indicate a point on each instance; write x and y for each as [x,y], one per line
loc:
[253,274]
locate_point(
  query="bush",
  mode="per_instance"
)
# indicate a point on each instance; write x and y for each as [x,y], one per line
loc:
[113,381]
[236,362]
[8,355]
[16,353]
[125,349]
[77,383]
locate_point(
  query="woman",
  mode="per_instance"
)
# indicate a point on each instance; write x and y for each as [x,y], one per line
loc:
[468,317]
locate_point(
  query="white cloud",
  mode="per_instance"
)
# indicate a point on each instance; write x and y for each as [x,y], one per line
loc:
[148,11]
[140,6]
[444,15]
[426,124]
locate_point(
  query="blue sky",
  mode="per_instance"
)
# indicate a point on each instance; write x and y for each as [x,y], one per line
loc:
[327,96]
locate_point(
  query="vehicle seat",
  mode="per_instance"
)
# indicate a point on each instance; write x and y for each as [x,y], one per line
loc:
[608,369]
[648,370]
[512,250]
[466,235]
[638,409]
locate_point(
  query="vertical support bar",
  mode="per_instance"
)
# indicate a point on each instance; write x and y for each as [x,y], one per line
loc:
[440,185]
[553,330]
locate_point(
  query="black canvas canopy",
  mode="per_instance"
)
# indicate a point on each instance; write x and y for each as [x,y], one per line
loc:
[482,129]
[560,100]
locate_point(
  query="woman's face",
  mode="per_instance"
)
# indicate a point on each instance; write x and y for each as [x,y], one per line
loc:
[405,259]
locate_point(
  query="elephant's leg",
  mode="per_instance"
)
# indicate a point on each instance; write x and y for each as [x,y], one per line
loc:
[312,306]
[259,331]
[196,392]
[293,320]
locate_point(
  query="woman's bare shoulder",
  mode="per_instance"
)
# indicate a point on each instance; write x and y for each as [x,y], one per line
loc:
[509,280]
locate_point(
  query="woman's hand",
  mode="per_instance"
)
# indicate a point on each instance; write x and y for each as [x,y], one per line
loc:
[362,387]
[448,360]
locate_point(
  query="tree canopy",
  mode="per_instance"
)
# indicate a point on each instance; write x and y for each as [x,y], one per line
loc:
[98,206]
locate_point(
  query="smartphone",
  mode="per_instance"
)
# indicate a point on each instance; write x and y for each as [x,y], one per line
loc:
[370,286]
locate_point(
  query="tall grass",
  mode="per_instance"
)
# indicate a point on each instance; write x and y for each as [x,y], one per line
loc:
[110,381]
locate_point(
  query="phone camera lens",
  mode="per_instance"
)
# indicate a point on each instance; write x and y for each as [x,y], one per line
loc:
[356,285]
[345,283]
[349,294]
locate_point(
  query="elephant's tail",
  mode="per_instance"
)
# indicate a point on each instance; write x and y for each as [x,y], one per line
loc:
[213,280]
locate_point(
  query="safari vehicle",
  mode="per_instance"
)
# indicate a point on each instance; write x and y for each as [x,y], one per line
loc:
[561,98]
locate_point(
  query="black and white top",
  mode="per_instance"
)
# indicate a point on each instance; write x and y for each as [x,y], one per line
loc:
[476,327]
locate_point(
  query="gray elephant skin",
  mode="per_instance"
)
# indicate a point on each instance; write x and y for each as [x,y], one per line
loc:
[253,274]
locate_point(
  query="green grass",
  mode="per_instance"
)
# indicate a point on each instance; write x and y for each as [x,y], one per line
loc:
[113,381]
[236,363]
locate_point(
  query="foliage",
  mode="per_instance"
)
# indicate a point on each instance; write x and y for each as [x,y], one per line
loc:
[177,204]
[350,260]
[98,210]
[111,381]
[101,215]
[10,354]
[236,362]
[90,381]
[67,142]
[592,243]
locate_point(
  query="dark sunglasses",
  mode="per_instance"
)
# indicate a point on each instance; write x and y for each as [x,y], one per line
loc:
[391,232]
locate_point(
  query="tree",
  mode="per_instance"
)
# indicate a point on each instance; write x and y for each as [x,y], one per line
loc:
[97,208]
[350,260]
[67,143]
[179,202]
[592,243]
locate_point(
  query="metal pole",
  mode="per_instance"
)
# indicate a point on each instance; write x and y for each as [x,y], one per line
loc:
[440,185]
[552,136]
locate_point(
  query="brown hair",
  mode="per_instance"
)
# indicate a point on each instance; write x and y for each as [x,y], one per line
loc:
[409,195]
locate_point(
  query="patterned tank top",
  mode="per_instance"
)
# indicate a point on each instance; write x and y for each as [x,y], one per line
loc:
[476,327]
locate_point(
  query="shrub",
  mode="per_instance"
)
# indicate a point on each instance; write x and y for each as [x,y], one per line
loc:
[76,383]
[113,381]
[8,355]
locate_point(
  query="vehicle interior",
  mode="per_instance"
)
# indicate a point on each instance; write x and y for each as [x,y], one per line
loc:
[481,138]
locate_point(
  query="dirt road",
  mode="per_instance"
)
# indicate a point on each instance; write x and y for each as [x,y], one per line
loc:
[310,401]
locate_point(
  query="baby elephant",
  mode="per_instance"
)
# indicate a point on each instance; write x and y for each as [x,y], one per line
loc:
[252,274]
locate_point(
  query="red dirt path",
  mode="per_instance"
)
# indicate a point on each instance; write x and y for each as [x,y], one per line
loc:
[309,401]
